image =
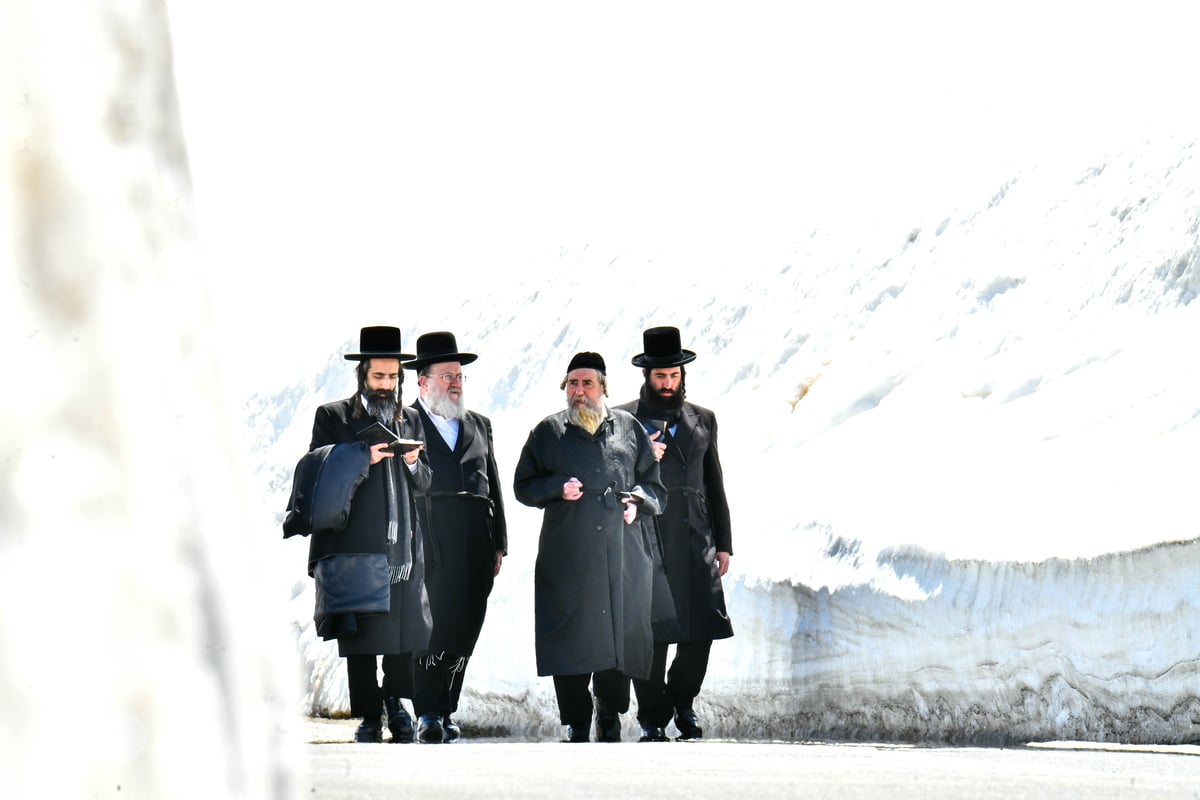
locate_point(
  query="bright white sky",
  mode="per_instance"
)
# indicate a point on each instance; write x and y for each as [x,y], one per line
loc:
[336,147]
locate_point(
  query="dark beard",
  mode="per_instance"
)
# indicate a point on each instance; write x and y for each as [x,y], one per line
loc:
[662,407]
[382,406]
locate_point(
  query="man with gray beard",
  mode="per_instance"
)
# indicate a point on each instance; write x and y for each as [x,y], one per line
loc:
[463,519]
[592,470]
[370,568]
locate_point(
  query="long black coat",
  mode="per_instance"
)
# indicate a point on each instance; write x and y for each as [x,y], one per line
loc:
[592,577]
[693,527]
[463,520]
[407,627]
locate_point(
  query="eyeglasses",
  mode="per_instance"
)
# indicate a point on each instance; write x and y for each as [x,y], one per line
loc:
[451,377]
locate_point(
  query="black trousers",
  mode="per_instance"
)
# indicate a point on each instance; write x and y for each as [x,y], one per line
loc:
[575,701]
[437,683]
[362,679]
[666,693]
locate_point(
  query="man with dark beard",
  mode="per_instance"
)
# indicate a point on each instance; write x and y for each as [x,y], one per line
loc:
[370,574]
[592,470]
[463,518]
[694,531]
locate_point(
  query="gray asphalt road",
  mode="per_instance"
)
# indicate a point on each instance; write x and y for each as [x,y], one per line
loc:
[737,770]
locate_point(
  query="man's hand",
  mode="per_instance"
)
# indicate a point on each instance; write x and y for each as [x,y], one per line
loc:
[723,561]
[630,509]
[499,558]
[378,453]
[411,456]
[572,489]
[659,447]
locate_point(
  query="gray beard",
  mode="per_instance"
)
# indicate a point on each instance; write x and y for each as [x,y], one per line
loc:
[446,406]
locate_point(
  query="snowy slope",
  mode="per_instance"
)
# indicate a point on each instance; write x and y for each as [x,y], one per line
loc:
[956,449]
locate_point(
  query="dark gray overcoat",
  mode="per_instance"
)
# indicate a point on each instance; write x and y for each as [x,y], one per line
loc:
[463,520]
[693,527]
[592,577]
[407,627]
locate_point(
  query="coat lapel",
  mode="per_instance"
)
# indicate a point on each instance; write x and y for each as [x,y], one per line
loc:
[466,433]
[683,434]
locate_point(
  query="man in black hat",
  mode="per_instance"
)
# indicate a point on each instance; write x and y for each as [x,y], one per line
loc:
[694,531]
[592,470]
[370,574]
[463,516]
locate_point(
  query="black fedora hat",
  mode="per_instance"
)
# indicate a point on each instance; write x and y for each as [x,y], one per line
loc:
[379,341]
[436,347]
[662,349]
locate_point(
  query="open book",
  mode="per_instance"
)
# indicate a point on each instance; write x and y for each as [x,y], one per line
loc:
[377,433]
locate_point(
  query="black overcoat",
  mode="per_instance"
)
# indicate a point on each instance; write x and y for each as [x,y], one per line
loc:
[592,576]
[463,520]
[693,527]
[407,627]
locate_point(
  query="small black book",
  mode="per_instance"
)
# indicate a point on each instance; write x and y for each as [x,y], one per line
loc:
[378,433]
[654,426]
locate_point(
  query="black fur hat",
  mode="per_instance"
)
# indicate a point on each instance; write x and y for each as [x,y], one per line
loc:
[587,360]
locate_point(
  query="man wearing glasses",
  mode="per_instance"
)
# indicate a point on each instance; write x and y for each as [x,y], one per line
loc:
[463,516]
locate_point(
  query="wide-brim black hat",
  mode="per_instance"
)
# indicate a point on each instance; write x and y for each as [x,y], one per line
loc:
[662,349]
[379,341]
[438,347]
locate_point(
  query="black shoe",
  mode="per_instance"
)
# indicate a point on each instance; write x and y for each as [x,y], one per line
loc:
[608,722]
[450,730]
[653,734]
[689,726]
[399,722]
[608,729]
[369,730]
[429,729]
[577,733]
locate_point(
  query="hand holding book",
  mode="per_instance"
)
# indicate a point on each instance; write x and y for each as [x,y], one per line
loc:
[377,433]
